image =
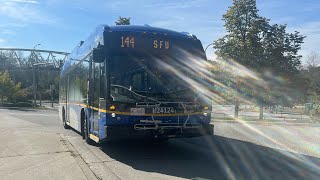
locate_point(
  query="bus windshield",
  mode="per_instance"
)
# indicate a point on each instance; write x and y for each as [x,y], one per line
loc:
[144,78]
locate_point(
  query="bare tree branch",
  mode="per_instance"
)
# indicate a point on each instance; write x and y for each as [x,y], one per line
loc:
[313,60]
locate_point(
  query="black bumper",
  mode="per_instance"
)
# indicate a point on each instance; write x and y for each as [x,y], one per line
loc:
[128,132]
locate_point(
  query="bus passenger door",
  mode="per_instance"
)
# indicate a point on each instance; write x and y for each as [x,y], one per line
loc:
[68,99]
[102,99]
[98,101]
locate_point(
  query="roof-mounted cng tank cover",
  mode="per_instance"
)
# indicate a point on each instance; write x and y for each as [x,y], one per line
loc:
[98,54]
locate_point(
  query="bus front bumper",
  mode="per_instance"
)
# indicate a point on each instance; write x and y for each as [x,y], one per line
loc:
[161,131]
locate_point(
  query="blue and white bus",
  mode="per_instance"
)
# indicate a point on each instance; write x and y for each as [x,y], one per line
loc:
[134,82]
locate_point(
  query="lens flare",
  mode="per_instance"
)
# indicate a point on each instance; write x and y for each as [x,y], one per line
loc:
[227,81]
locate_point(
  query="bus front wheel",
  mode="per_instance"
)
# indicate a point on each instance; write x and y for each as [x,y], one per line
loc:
[86,131]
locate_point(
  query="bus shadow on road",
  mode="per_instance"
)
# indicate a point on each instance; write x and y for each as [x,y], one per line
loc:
[214,157]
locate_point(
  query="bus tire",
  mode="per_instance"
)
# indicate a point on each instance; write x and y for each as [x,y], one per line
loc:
[65,125]
[86,132]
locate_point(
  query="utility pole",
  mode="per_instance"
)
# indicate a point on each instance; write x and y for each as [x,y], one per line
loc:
[34,79]
[34,87]
[52,91]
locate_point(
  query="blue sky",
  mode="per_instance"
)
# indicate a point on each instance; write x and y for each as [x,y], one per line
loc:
[61,24]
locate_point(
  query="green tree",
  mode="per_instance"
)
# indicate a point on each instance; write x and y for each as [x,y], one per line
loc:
[7,86]
[123,21]
[268,51]
[241,23]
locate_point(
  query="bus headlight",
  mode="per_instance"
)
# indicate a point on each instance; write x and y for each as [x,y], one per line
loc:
[205,114]
[113,115]
[112,107]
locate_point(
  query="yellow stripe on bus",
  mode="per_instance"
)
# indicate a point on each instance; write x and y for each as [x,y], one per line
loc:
[129,113]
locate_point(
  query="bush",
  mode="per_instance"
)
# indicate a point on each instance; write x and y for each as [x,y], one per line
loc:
[29,93]
[315,112]
[21,95]
[46,95]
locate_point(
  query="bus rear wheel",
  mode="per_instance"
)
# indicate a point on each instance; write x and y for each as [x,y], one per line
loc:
[65,125]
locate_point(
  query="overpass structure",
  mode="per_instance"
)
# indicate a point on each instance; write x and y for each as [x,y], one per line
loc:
[27,58]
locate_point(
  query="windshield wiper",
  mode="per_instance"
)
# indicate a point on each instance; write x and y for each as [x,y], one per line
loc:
[135,93]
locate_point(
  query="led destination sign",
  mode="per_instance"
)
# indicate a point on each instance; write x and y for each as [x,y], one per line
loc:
[129,42]
[150,43]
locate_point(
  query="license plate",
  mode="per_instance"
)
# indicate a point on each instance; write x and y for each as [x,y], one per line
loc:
[163,110]
[137,111]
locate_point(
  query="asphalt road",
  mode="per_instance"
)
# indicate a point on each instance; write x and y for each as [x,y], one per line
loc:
[237,151]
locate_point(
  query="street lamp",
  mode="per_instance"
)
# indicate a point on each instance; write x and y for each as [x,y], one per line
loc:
[36,46]
[34,79]
[208,46]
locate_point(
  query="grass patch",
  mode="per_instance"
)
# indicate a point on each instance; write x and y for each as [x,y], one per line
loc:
[222,118]
[18,104]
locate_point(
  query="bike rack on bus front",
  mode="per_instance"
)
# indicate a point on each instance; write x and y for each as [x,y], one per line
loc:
[161,126]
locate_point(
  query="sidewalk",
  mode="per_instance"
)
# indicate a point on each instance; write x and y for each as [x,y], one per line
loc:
[29,151]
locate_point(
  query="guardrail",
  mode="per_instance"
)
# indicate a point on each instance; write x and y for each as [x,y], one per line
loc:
[282,117]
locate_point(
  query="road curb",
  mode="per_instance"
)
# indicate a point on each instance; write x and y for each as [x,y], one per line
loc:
[50,109]
[82,164]
[267,123]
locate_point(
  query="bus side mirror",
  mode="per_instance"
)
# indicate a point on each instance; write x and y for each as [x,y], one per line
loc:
[98,54]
